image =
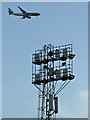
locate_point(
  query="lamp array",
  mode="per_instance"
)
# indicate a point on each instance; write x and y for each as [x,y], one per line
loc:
[52,64]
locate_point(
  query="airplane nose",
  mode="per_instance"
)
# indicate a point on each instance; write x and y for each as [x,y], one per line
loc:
[39,14]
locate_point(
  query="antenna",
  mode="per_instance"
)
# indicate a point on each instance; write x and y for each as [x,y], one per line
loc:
[50,65]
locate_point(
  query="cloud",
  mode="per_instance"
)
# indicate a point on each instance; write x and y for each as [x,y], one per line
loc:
[83,94]
[77,108]
[84,99]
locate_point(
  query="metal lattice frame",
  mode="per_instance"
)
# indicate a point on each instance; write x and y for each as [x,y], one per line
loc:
[50,65]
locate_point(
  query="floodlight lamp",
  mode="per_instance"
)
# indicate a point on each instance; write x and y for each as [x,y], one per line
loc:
[45,67]
[65,74]
[71,77]
[38,62]
[71,56]
[63,58]
[51,53]
[45,61]
[64,63]
[65,77]
[51,72]
[58,74]
[57,53]
[37,58]
[44,81]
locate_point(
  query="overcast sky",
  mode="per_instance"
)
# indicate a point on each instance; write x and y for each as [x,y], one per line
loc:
[58,24]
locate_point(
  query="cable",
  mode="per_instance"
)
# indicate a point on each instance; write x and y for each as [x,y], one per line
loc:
[62,88]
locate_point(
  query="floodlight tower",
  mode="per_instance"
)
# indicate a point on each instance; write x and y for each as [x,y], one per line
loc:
[50,65]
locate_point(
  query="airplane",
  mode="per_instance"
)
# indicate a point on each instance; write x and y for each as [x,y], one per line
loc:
[24,14]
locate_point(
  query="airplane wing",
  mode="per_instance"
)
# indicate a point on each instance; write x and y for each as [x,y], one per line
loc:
[23,11]
[23,17]
[29,17]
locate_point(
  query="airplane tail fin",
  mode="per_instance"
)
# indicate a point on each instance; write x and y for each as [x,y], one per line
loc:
[10,11]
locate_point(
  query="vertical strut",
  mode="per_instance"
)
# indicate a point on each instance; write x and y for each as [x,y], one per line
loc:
[39,104]
[43,100]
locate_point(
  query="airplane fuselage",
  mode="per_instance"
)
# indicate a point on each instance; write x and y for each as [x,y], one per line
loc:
[26,14]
